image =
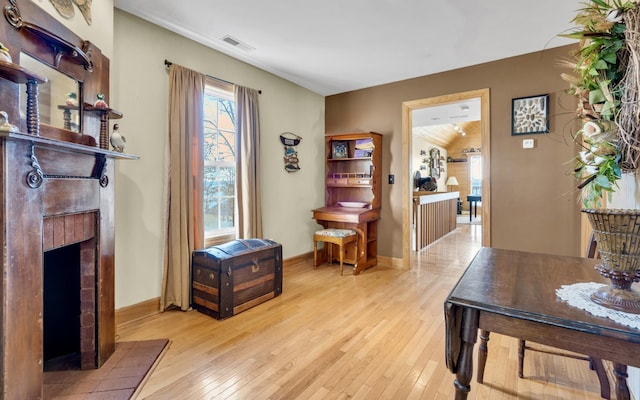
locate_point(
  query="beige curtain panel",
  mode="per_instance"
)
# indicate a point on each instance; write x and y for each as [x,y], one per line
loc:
[184,210]
[247,163]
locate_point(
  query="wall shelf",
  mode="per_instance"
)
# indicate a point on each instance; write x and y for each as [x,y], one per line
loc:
[17,74]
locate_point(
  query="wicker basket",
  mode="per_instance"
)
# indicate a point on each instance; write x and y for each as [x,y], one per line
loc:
[618,235]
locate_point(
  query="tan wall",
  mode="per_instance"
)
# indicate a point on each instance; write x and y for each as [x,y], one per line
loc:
[140,91]
[534,205]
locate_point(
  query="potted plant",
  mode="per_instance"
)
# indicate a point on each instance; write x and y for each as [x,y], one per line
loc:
[606,82]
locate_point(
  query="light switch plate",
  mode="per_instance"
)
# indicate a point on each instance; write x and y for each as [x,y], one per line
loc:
[528,143]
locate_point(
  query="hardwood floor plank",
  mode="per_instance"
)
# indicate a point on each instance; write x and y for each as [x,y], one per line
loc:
[378,335]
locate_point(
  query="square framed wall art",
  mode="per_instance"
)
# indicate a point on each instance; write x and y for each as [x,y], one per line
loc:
[530,115]
[339,149]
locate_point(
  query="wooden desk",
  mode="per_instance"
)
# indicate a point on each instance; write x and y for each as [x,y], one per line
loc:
[513,293]
[365,254]
[473,200]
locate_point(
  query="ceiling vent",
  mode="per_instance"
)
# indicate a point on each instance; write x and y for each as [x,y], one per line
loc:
[237,43]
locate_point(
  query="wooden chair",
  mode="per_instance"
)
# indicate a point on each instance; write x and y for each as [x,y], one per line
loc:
[594,363]
[339,237]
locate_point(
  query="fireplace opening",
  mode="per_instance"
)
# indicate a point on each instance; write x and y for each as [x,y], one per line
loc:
[62,308]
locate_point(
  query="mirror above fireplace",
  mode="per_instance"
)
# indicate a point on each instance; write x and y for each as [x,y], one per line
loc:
[43,47]
[58,98]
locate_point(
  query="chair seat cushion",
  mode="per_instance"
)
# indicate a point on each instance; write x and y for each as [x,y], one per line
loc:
[338,233]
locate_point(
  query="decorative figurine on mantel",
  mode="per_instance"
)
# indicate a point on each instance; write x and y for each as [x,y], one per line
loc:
[72,100]
[5,126]
[117,140]
[4,53]
[100,103]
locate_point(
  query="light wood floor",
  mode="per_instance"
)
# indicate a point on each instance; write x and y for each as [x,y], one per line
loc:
[378,335]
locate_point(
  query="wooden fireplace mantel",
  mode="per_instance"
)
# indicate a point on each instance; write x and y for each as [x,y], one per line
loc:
[45,179]
[61,145]
[57,189]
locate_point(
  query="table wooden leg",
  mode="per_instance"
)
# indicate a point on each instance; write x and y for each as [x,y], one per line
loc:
[521,349]
[469,334]
[622,390]
[315,254]
[470,207]
[483,349]
[597,365]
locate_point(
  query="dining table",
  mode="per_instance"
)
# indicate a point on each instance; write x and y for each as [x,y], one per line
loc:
[473,200]
[516,293]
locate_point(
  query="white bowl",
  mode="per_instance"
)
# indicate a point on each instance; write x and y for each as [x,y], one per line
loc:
[353,204]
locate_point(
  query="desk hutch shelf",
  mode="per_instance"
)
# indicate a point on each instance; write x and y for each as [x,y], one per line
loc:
[353,178]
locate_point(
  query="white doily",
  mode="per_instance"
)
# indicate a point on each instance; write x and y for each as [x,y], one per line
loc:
[578,295]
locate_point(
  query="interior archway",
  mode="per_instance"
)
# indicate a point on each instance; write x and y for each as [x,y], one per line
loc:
[407,108]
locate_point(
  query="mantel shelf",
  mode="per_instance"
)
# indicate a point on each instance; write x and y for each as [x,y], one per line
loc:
[17,74]
[66,107]
[349,159]
[113,114]
[69,146]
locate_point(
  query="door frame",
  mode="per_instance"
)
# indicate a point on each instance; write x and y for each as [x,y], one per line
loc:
[485,133]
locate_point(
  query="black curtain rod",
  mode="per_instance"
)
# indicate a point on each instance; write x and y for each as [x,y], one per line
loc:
[168,63]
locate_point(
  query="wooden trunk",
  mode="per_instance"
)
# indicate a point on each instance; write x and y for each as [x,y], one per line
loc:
[235,276]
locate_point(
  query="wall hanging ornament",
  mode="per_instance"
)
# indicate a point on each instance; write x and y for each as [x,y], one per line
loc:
[66,10]
[290,140]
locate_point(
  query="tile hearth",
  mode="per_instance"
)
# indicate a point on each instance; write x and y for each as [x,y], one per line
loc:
[118,379]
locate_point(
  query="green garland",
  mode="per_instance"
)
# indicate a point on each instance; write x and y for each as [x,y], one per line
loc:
[600,65]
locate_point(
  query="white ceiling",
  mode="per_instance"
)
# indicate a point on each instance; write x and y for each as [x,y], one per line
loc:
[335,46]
[450,113]
[442,124]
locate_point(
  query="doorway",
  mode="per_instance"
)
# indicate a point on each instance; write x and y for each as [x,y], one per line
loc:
[407,183]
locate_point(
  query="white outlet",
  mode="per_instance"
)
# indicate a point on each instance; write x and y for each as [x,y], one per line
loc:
[528,143]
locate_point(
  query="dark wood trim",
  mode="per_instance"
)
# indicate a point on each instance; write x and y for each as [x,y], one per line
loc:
[297,259]
[138,311]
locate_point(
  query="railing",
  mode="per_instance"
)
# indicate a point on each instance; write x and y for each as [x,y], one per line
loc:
[433,219]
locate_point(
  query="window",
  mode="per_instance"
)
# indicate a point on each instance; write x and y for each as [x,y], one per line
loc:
[219,174]
[476,175]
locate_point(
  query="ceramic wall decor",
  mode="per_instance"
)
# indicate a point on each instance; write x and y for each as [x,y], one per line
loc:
[290,141]
[66,10]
